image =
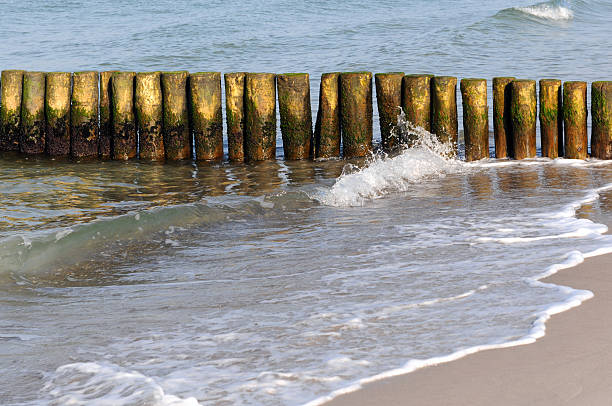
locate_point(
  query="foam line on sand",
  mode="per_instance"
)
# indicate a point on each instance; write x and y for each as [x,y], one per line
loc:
[569,365]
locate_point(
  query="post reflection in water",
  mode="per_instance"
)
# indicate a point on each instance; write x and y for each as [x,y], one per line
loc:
[212,178]
[451,187]
[328,169]
[605,202]
[518,178]
[299,172]
[602,177]
[480,185]
[254,179]
[552,177]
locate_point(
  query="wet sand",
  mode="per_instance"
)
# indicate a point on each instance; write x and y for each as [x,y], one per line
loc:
[571,364]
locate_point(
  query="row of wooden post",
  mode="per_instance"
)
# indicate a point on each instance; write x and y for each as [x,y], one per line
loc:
[430,102]
[563,118]
[116,115]
[156,116]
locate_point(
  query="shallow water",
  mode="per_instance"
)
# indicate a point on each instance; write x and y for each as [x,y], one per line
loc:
[240,290]
[278,283]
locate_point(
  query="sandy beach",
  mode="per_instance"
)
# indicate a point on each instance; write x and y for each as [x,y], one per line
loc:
[570,365]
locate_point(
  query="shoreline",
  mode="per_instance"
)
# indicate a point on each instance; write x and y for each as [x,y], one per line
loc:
[567,364]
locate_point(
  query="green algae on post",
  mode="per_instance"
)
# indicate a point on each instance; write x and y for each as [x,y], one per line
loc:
[177,142]
[575,120]
[502,117]
[444,109]
[524,111]
[356,113]
[416,100]
[206,115]
[149,115]
[551,118]
[105,134]
[295,114]
[125,143]
[260,116]
[84,115]
[475,118]
[57,113]
[389,102]
[33,138]
[234,114]
[601,111]
[10,109]
[327,127]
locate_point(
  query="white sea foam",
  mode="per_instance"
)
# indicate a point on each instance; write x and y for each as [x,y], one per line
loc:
[589,229]
[342,362]
[94,384]
[378,300]
[63,233]
[538,329]
[20,337]
[322,348]
[563,221]
[548,12]
[387,175]
[426,158]
[400,308]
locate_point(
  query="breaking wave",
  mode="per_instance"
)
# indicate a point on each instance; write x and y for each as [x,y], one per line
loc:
[422,156]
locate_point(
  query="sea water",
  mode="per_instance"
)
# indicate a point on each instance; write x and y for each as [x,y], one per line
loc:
[285,283]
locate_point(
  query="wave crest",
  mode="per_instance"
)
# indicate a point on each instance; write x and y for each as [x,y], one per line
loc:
[555,12]
[422,156]
[547,11]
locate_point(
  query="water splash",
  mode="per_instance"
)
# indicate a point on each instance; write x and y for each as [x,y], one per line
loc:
[421,156]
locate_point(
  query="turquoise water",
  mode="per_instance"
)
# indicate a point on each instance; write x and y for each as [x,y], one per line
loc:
[278,283]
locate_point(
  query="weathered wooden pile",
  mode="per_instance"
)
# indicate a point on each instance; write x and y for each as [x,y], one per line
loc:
[178,115]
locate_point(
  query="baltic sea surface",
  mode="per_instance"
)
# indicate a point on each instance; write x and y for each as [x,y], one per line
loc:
[131,283]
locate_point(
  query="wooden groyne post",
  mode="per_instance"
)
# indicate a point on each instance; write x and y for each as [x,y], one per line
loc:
[84,115]
[327,132]
[356,111]
[389,101]
[57,113]
[33,134]
[416,100]
[575,120]
[174,113]
[234,115]
[105,136]
[475,118]
[601,113]
[206,115]
[551,118]
[524,111]
[502,117]
[444,109]
[149,115]
[295,114]
[125,141]
[10,109]
[177,143]
[260,117]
